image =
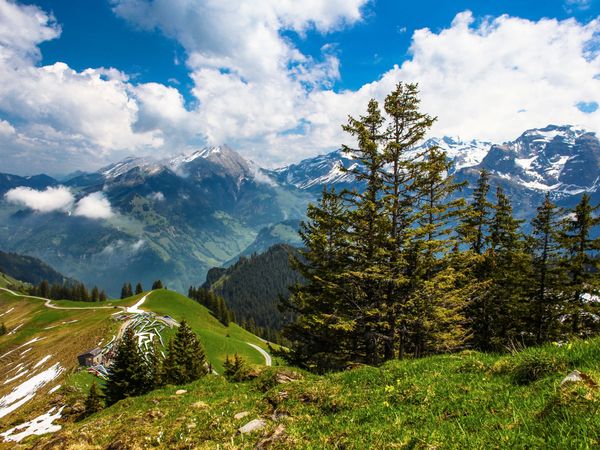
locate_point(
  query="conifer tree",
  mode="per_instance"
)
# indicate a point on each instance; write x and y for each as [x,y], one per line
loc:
[139,289]
[124,292]
[581,261]
[510,264]
[185,360]
[548,275]
[235,369]
[102,296]
[45,289]
[93,401]
[95,294]
[128,372]
[157,285]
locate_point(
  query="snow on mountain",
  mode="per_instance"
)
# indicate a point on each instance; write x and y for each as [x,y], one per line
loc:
[561,159]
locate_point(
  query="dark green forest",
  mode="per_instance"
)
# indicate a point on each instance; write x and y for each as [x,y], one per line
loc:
[408,267]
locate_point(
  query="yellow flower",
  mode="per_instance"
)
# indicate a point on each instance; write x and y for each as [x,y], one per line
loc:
[386,404]
[389,388]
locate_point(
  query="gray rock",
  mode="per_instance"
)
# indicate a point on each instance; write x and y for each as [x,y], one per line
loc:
[253,425]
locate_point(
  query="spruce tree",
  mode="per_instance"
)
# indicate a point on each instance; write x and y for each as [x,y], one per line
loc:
[128,372]
[548,275]
[139,289]
[124,292]
[157,285]
[581,262]
[93,401]
[95,294]
[102,296]
[185,360]
[235,369]
[44,289]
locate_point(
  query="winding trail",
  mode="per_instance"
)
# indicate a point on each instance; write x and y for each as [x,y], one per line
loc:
[48,302]
[268,360]
[135,309]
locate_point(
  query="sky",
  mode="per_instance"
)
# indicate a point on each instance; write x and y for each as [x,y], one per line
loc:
[85,83]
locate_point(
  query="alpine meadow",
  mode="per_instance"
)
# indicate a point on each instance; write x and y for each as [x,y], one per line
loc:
[354,224]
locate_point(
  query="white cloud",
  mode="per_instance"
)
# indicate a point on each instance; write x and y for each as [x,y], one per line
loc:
[488,78]
[94,206]
[51,199]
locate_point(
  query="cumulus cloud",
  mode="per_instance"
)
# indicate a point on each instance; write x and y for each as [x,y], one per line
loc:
[94,206]
[487,78]
[51,199]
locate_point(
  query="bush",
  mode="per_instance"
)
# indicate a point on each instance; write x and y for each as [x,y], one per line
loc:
[236,369]
[533,365]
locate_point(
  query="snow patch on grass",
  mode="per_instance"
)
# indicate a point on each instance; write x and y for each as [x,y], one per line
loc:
[42,361]
[40,425]
[19,375]
[27,390]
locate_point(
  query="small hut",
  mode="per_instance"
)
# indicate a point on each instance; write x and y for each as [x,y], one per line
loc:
[90,358]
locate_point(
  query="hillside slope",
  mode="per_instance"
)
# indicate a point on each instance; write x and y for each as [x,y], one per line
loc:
[28,269]
[38,356]
[466,400]
[252,286]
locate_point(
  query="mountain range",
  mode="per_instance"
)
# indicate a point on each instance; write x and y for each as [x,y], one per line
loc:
[176,218]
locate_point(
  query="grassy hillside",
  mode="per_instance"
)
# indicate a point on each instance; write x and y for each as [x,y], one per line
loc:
[467,400]
[42,340]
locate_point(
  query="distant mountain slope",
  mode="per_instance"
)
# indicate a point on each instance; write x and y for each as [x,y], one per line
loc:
[175,218]
[252,286]
[28,269]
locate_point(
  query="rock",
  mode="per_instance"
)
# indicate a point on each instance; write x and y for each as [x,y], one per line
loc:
[287,377]
[180,392]
[241,415]
[578,377]
[275,436]
[154,414]
[253,425]
[200,405]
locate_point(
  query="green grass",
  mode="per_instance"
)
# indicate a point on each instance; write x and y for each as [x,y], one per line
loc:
[68,333]
[467,400]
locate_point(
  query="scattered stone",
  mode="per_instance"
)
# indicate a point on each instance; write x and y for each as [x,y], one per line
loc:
[287,377]
[277,435]
[180,392]
[191,425]
[200,405]
[253,425]
[277,415]
[154,414]
[579,377]
[241,415]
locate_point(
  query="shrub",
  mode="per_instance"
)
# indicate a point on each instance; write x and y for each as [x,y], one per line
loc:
[535,364]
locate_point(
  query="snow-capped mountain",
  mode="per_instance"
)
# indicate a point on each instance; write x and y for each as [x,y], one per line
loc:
[562,159]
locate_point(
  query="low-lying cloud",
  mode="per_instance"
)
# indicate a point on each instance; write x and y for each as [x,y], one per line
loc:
[94,206]
[60,198]
[51,199]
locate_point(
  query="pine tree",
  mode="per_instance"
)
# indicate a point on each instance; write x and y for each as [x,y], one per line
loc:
[548,275]
[185,361]
[93,401]
[510,264]
[322,335]
[102,297]
[138,289]
[157,285]
[44,289]
[477,216]
[128,372]
[580,247]
[95,294]
[235,370]
[124,292]
[129,290]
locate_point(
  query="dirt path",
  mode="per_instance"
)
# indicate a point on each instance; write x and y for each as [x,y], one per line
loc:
[268,360]
[48,302]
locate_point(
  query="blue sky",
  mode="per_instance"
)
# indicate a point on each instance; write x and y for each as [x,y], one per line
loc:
[94,80]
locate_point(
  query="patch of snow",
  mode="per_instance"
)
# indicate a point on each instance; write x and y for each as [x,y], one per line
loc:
[25,351]
[54,389]
[40,425]
[135,309]
[525,163]
[42,361]
[539,186]
[26,390]
[14,330]
[19,375]
[6,312]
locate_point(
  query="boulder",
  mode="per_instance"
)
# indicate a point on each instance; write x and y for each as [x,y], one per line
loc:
[241,415]
[253,425]
[180,392]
